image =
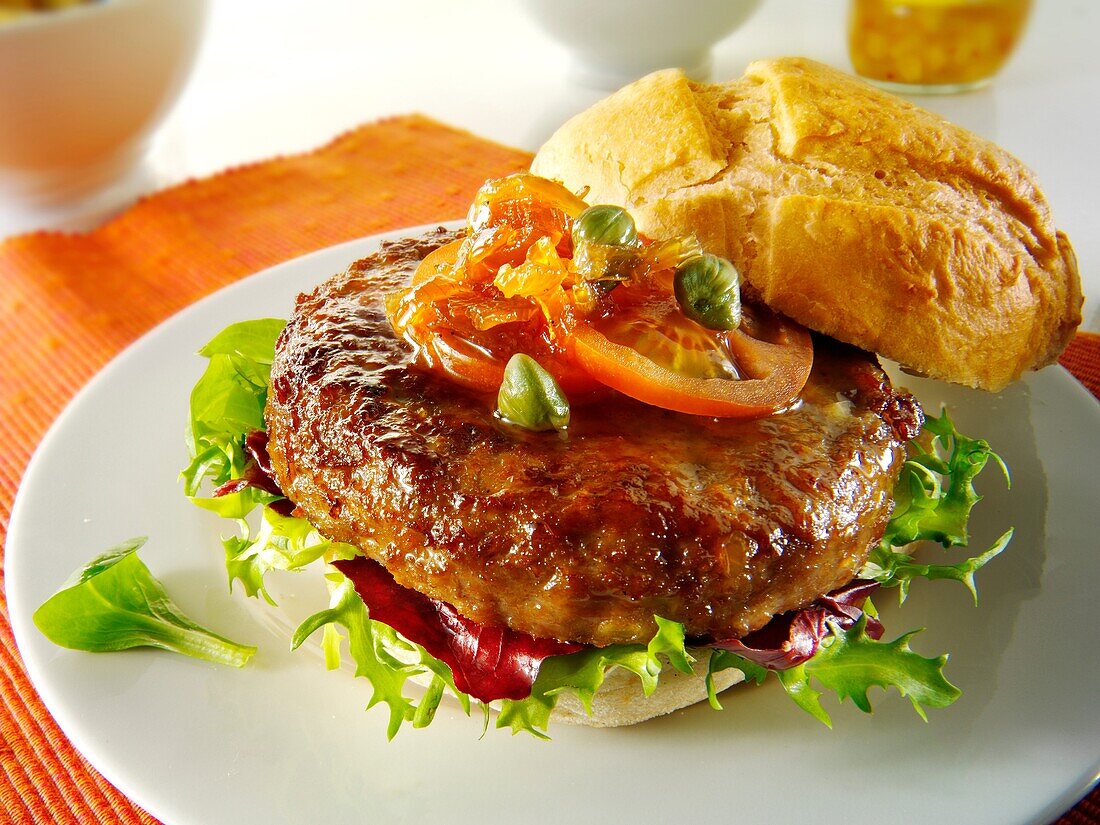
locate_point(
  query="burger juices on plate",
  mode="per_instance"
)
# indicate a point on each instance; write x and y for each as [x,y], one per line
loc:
[563,463]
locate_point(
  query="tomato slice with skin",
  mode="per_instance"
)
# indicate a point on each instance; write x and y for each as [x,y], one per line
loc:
[640,344]
[765,374]
[477,359]
[646,349]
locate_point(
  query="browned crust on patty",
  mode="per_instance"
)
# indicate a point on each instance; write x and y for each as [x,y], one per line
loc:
[718,524]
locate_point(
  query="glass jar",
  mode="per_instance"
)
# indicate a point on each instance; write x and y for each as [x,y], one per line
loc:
[933,46]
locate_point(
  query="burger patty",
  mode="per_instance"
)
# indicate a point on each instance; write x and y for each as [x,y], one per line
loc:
[716,523]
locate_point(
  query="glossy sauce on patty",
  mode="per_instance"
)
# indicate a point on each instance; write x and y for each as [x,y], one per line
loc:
[716,523]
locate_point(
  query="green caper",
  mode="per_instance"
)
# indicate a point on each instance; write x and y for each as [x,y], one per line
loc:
[708,289]
[608,225]
[529,396]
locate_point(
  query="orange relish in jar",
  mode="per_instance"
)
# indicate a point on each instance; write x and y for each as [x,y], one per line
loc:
[933,45]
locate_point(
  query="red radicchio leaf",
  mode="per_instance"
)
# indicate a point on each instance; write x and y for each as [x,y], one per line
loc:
[258,474]
[792,638]
[487,662]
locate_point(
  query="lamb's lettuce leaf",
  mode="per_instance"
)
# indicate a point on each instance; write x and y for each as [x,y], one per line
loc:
[115,603]
[252,340]
[228,401]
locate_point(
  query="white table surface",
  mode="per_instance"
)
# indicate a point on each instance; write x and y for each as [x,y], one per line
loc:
[282,76]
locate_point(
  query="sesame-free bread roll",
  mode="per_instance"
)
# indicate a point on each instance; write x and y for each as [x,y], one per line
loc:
[620,700]
[852,211]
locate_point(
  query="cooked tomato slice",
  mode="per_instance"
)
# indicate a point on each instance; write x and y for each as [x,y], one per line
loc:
[649,350]
[476,358]
[510,286]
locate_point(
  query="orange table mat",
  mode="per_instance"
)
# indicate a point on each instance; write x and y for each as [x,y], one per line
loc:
[69,303]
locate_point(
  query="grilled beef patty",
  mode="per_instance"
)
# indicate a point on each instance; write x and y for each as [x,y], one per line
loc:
[715,523]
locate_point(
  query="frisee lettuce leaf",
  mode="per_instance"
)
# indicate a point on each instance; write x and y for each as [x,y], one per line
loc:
[385,659]
[227,404]
[388,660]
[583,673]
[853,661]
[849,663]
[720,660]
[282,543]
[892,567]
[933,500]
[935,493]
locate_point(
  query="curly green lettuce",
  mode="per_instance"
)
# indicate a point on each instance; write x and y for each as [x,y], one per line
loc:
[934,496]
[933,500]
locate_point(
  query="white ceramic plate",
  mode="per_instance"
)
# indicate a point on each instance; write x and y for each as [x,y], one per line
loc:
[284,741]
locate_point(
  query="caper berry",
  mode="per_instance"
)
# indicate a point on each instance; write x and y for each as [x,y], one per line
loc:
[708,289]
[608,225]
[529,396]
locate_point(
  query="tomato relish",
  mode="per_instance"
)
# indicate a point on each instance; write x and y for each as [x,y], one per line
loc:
[575,287]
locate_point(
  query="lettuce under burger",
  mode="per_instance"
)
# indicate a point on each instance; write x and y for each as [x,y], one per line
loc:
[395,634]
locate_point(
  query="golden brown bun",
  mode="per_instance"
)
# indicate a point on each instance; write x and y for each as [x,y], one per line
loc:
[846,208]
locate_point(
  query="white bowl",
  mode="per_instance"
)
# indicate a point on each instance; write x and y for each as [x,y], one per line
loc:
[616,41]
[82,89]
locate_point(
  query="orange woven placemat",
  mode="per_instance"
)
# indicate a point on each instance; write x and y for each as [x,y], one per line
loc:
[68,303]
[1082,358]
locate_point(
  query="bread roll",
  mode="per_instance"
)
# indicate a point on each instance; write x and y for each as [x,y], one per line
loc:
[620,700]
[850,210]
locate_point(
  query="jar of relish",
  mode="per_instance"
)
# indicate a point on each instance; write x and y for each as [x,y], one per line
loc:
[933,46]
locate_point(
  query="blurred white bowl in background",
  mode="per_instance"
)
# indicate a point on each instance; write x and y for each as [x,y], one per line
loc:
[616,41]
[81,90]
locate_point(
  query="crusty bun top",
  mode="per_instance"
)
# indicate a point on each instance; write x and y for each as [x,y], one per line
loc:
[852,211]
